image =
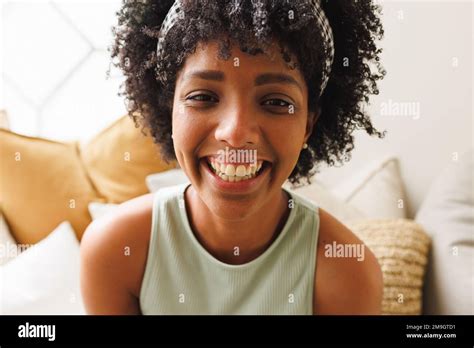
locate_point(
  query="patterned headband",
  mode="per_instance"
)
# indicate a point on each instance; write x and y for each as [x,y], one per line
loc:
[176,13]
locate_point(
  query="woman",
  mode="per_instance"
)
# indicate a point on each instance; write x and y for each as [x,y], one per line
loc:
[284,81]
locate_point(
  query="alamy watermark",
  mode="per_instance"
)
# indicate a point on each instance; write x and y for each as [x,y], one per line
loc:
[405,109]
[28,330]
[11,250]
[345,250]
[237,156]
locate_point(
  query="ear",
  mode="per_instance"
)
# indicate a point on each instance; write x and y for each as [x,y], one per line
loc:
[311,122]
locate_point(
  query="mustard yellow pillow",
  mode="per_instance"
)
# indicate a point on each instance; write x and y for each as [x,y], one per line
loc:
[118,160]
[42,183]
[401,247]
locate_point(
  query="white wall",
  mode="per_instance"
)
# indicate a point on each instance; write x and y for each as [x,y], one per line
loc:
[422,45]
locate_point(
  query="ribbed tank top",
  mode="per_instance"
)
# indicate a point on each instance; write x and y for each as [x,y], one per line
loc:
[182,277]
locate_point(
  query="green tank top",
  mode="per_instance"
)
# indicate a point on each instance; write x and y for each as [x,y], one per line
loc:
[182,277]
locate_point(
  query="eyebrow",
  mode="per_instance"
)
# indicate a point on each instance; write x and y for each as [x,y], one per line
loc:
[260,80]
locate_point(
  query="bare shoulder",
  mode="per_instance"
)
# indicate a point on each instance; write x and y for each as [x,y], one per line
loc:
[113,258]
[348,278]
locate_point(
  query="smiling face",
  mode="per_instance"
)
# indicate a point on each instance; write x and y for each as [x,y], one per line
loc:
[254,104]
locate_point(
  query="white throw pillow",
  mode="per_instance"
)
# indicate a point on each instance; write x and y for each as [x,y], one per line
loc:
[171,177]
[377,190]
[447,215]
[323,198]
[44,279]
[97,210]
[8,247]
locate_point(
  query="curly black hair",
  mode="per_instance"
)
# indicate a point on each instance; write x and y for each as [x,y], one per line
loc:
[356,69]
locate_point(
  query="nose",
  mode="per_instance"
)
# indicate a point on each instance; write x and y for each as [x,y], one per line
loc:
[238,126]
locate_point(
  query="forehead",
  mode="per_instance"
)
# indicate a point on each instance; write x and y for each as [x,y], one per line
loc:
[240,63]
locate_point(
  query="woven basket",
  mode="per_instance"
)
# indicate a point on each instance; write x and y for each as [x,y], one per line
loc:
[401,247]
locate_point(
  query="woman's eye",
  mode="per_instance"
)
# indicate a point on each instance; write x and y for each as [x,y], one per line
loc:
[202,98]
[278,102]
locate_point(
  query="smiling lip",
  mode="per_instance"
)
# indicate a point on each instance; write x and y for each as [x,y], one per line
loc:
[238,187]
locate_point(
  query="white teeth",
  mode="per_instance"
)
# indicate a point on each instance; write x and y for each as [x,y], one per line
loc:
[230,170]
[232,173]
[240,171]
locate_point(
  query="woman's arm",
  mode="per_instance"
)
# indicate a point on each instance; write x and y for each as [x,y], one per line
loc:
[113,259]
[351,284]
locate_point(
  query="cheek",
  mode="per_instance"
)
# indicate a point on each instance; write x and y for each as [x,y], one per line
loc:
[188,132]
[287,140]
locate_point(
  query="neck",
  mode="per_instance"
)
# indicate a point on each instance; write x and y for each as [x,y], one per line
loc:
[237,242]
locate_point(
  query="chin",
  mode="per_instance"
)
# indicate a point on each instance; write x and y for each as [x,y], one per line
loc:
[230,207]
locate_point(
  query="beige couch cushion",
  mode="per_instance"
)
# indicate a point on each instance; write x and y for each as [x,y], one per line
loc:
[447,215]
[401,247]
